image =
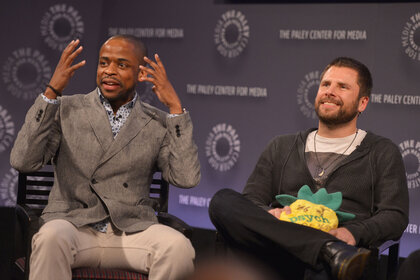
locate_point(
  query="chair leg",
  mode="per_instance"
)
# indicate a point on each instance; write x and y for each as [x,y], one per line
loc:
[393,261]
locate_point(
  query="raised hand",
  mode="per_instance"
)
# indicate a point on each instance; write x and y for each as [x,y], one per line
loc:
[64,69]
[161,84]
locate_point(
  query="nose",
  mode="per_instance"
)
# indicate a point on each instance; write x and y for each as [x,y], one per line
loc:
[110,69]
[330,91]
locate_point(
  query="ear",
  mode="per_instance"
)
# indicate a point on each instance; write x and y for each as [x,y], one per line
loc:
[363,102]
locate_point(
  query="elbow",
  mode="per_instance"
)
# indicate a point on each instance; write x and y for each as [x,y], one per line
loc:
[23,165]
[193,181]
[188,181]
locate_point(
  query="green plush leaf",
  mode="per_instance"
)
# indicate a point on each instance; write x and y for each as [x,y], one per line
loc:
[305,193]
[343,216]
[285,199]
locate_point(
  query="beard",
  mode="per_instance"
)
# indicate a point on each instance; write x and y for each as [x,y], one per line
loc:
[342,116]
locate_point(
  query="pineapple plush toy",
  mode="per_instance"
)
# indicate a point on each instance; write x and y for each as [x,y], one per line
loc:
[318,210]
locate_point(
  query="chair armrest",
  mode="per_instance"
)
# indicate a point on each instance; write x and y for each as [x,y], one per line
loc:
[387,245]
[25,215]
[176,223]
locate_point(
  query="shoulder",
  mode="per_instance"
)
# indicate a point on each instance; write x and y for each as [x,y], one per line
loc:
[78,97]
[282,143]
[375,141]
[289,139]
[380,146]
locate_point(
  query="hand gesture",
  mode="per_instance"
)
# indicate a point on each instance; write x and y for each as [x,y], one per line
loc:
[64,69]
[161,84]
[276,212]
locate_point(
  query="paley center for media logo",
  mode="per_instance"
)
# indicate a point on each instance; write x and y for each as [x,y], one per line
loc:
[25,73]
[231,34]
[410,151]
[306,93]
[7,129]
[8,187]
[410,37]
[222,147]
[61,24]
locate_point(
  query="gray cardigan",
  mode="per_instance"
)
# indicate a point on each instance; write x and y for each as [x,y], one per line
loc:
[372,180]
[97,176]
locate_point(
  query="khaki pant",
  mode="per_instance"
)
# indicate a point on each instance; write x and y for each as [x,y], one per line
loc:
[160,251]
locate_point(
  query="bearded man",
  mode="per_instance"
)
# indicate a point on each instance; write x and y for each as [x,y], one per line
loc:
[367,169]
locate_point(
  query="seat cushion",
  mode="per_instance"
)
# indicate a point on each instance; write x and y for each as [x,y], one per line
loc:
[88,273]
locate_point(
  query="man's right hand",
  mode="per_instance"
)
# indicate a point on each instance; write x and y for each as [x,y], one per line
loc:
[65,70]
[277,211]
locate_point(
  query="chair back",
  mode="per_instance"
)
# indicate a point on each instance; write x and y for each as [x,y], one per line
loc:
[34,189]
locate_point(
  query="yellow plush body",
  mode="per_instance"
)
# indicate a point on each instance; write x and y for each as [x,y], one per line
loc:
[312,215]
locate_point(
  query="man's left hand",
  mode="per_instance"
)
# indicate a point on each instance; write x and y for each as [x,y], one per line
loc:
[344,235]
[161,84]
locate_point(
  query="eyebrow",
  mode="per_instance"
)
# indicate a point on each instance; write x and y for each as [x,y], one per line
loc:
[119,59]
[344,84]
[339,83]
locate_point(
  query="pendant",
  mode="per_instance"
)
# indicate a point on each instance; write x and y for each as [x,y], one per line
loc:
[321,173]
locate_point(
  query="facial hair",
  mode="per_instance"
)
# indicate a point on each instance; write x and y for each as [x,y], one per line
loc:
[343,115]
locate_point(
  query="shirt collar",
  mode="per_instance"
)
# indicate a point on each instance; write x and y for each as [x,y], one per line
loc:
[106,103]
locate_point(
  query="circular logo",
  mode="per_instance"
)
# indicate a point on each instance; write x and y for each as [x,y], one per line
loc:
[231,33]
[410,151]
[61,24]
[306,93]
[222,147]
[8,188]
[25,73]
[7,130]
[410,37]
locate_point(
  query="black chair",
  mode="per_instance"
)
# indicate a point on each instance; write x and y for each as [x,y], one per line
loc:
[377,261]
[373,269]
[32,197]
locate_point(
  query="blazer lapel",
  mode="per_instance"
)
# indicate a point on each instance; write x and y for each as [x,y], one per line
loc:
[98,119]
[135,122]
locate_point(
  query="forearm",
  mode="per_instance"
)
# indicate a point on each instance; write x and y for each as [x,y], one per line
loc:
[387,225]
[34,145]
[178,158]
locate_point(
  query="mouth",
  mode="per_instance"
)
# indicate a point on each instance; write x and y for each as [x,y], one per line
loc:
[110,84]
[330,103]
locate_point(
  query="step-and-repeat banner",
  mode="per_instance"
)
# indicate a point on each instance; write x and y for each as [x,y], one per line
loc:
[245,72]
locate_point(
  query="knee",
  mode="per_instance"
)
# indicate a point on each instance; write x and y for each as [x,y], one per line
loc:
[53,235]
[220,200]
[221,204]
[178,247]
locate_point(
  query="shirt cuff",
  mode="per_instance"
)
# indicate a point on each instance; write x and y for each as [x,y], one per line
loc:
[176,115]
[51,101]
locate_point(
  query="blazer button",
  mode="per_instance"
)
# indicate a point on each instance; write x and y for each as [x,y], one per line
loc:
[93,181]
[125,185]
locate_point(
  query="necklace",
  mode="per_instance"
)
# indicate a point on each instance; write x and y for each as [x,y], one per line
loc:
[320,174]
